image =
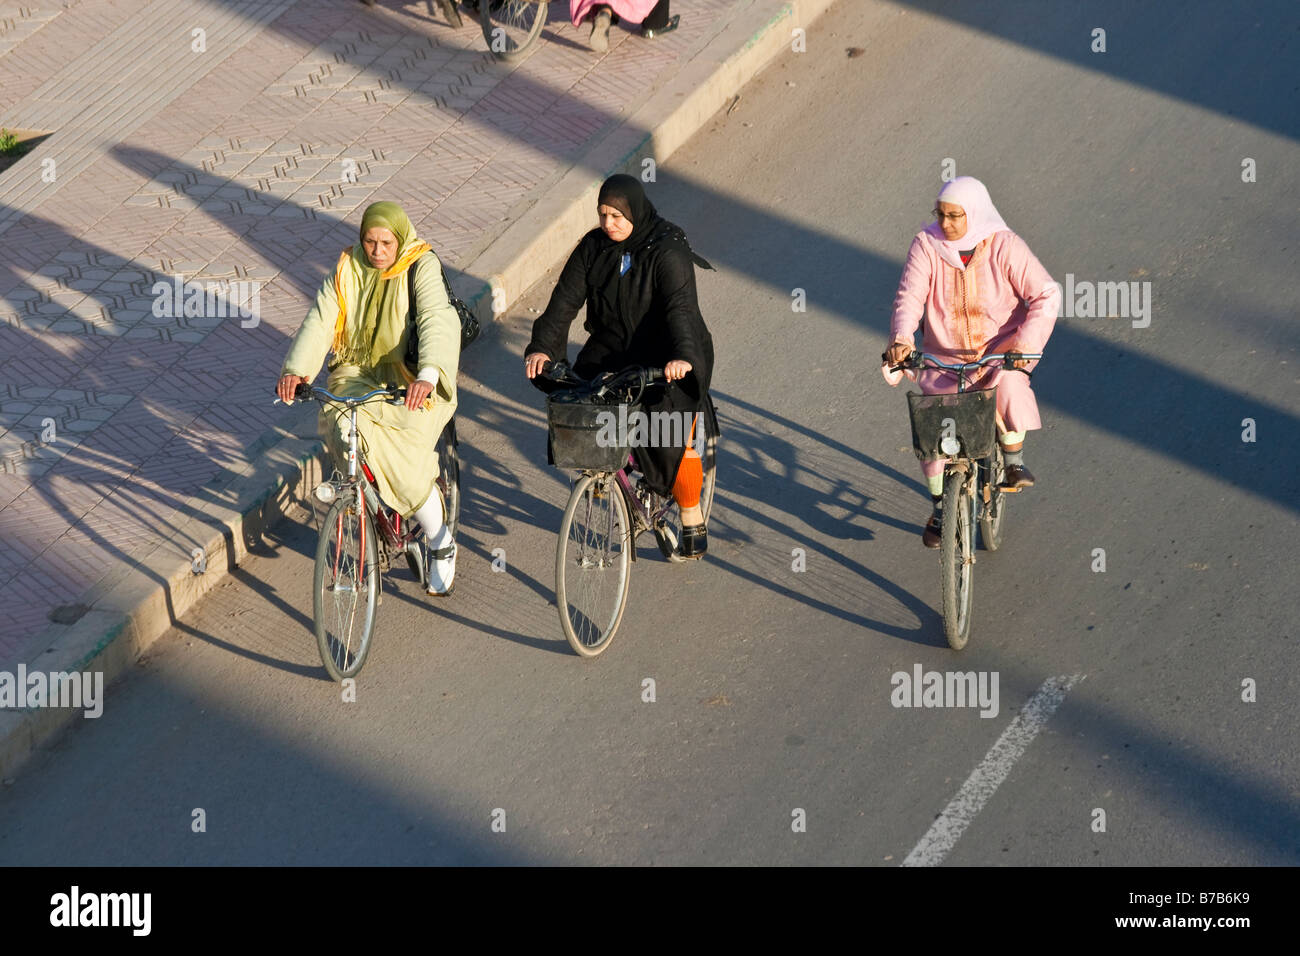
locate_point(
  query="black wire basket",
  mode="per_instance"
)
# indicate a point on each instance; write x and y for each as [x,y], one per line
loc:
[584,432]
[969,418]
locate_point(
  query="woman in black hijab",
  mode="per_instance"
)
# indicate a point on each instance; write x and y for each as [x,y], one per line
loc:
[636,275]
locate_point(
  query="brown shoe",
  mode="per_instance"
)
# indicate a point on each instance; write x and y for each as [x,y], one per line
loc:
[933,530]
[1017,477]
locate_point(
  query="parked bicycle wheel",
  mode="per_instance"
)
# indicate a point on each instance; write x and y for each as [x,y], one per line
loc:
[592,572]
[993,515]
[669,535]
[956,551]
[511,26]
[345,587]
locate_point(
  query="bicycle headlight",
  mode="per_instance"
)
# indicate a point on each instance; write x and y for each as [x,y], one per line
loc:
[949,445]
[324,492]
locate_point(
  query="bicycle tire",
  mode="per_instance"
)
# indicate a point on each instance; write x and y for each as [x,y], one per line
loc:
[991,526]
[506,26]
[709,415]
[956,576]
[669,538]
[344,627]
[449,476]
[595,527]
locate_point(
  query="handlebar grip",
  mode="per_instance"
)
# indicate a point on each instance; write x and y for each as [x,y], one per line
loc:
[654,375]
[913,360]
[302,390]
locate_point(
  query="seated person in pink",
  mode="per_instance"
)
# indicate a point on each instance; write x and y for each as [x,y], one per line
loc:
[980,291]
[651,14]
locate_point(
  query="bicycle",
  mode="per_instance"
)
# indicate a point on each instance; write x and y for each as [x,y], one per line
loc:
[607,511]
[509,27]
[962,427]
[350,556]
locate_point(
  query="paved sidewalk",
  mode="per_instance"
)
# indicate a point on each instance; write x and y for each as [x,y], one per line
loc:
[233,143]
[231,164]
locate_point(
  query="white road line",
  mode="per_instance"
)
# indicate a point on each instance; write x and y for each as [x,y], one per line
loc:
[981,784]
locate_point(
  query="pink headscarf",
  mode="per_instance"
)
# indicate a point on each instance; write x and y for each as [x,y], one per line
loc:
[982,219]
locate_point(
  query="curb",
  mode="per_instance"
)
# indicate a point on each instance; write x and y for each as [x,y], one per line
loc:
[132,607]
[547,232]
[135,605]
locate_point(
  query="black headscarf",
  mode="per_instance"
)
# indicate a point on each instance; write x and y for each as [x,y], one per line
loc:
[625,194]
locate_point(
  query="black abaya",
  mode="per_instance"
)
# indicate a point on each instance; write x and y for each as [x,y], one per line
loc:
[646,316]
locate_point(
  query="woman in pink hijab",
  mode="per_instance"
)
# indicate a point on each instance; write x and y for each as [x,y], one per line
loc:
[980,291]
[651,14]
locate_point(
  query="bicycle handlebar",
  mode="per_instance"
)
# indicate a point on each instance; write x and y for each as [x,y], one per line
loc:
[562,373]
[305,391]
[914,361]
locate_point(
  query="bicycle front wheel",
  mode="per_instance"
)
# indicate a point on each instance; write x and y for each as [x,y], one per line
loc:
[592,572]
[956,547]
[511,26]
[345,587]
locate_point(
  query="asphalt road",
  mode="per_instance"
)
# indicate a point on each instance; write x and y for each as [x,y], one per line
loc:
[773,686]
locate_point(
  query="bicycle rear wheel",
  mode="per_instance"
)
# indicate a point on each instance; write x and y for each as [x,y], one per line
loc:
[511,26]
[669,533]
[956,547]
[345,587]
[449,475]
[592,572]
[992,514]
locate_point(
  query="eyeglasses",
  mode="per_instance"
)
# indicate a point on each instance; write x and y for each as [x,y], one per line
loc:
[941,216]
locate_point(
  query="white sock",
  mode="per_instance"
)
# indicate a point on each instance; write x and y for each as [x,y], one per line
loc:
[431,520]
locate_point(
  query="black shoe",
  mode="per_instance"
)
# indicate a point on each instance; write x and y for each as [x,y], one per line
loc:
[695,540]
[660,31]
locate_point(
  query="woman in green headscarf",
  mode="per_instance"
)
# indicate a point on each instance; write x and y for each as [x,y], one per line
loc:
[360,318]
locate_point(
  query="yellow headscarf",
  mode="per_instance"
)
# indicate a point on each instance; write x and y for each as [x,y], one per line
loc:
[376,337]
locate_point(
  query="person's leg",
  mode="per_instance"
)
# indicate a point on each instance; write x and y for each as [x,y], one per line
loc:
[656,18]
[1019,412]
[600,23]
[933,472]
[432,516]
[686,492]
[657,21]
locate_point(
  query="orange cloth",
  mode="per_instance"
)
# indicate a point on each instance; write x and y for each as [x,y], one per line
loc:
[690,475]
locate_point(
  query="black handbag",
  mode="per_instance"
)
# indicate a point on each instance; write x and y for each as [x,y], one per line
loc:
[469,326]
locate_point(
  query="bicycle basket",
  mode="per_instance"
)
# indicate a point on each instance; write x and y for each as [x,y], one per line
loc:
[966,416]
[585,433]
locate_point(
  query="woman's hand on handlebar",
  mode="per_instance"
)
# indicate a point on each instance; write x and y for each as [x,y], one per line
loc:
[416,393]
[534,363]
[897,353]
[1015,359]
[677,368]
[287,385]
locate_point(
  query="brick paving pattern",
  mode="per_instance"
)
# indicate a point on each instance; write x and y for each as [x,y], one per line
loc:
[242,154]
